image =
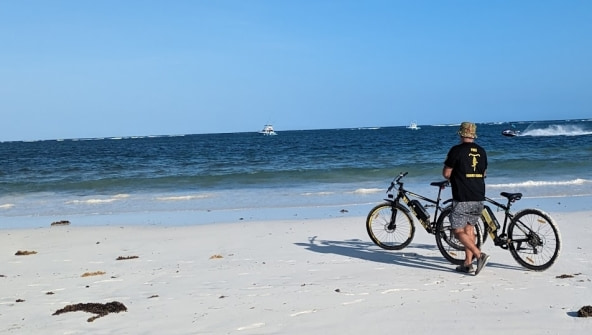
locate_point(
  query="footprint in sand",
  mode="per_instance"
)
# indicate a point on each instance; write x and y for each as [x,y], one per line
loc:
[253,326]
[398,290]
[357,301]
[304,312]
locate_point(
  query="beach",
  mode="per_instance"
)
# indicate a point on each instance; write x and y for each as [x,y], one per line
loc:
[141,193]
[296,276]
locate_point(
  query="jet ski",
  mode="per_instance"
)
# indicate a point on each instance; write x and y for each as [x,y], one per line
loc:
[510,132]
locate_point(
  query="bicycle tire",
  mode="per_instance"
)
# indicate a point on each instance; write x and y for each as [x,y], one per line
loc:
[534,239]
[377,225]
[449,246]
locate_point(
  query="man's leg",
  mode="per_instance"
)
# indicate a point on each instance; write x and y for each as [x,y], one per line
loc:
[466,236]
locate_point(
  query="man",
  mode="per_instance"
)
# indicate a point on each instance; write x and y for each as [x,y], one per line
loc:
[465,167]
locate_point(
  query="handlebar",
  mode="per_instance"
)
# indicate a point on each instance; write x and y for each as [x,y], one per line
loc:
[396,181]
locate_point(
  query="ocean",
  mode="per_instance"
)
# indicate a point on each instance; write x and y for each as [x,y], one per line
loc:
[208,178]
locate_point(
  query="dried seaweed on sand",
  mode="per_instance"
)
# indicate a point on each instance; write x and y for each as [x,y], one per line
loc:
[60,223]
[25,253]
[96,308]
[96,273]
[585,312]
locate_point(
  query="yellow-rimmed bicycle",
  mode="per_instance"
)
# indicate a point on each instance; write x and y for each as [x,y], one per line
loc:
[531,235]
[390,224]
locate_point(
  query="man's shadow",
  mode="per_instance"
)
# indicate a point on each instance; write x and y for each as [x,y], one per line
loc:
[368,251]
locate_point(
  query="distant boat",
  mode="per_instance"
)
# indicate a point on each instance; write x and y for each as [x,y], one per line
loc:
[413,126]
[510,132]
[268,130]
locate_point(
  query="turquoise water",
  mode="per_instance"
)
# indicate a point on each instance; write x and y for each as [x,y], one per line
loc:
[316,169]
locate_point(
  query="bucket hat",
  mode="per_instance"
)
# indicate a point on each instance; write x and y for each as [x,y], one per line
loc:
[468,129]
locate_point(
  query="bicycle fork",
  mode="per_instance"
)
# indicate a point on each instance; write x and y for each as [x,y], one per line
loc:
[392,224]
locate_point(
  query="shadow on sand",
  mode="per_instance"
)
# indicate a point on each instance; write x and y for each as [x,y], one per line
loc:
[367,251]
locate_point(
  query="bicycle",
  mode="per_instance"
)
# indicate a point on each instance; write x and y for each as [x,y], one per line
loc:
[531,235]
[390,224]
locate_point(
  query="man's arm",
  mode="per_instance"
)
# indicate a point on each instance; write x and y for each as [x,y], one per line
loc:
[446,172]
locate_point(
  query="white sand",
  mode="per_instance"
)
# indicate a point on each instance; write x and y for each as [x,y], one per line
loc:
[282,277]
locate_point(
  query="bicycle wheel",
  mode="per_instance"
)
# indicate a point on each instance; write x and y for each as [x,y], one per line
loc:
[388,234]
[449,246]
[534,240]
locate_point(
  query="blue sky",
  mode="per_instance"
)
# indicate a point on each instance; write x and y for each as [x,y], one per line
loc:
[77,69]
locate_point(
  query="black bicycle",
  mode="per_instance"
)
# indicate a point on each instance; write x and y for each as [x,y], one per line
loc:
[390,224]
[531,235]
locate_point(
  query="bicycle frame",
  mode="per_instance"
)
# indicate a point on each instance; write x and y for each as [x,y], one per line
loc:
[489,218]
[406,196]
[391,224]
[529,234]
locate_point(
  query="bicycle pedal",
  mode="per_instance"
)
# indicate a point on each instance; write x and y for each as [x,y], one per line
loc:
[501,242]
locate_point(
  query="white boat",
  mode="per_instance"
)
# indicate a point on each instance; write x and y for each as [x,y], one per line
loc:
[268,130]
[413,126]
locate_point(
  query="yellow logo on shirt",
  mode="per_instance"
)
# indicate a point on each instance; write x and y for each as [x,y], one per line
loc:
[474,154]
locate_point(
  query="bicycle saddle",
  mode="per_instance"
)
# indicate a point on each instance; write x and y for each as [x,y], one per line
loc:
[512,196]
[440,183]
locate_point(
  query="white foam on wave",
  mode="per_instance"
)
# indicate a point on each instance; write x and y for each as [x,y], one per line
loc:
[6,206]
[95,201]
[356,191]
[557,130]
[92,201]
[317,193]
[446,125]
[542,183]
[185,197]
[367,128]
[368,190]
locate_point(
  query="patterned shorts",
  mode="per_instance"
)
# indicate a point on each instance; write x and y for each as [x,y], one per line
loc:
[463,213]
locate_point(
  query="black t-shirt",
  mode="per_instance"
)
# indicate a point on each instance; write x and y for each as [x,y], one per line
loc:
[468,162]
